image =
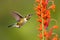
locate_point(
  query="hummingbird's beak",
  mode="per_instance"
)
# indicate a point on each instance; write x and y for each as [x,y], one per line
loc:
[31,14]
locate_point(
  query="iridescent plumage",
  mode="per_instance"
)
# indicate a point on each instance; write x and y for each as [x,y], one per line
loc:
[20,19]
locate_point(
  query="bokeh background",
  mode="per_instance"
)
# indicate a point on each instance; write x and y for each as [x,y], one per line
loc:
[27,31]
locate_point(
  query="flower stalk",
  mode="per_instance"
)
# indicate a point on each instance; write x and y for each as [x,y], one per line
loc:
[44,18]
[42,22]
[42,30]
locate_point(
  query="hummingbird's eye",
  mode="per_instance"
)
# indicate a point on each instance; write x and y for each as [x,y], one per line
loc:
[29,15]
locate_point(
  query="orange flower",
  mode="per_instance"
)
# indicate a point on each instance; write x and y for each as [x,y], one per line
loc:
[45,33]
[38,1]
[44,3]
[38,13]
[50,32]
[48,16]
[55,37]
[46,24]
[47,12]
[39,20]
[40,35]
[47,1]
[42,15]
[38,7]
[55,27]
[40,28]
[52,7]
[43,9]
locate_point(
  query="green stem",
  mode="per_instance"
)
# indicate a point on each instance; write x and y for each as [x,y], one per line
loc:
[42,29]
[42,22]
[54,21]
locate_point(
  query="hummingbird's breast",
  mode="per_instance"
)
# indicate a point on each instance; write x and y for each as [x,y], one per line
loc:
[22,22]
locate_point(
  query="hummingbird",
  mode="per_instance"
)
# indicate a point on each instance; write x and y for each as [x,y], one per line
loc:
[20,19]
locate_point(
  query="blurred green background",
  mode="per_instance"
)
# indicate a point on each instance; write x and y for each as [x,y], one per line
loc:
[29,30]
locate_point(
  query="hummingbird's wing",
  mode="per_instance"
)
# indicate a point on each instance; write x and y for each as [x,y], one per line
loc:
[17,15]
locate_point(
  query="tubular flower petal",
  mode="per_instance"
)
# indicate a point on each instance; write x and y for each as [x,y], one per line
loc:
[52,7]
[55,37]
[38,1]
[55,27]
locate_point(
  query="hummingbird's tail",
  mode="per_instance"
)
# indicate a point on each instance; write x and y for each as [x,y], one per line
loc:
[11,25]
[14,25]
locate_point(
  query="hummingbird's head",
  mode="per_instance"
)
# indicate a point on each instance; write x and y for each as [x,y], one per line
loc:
[28,16]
